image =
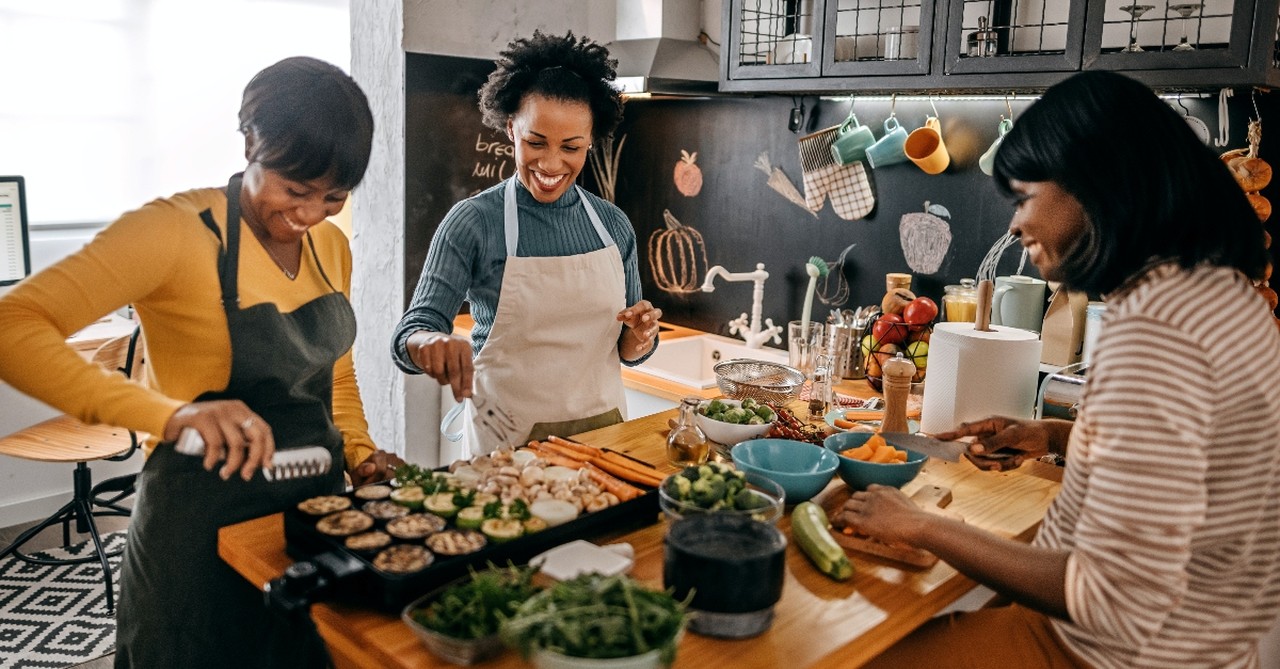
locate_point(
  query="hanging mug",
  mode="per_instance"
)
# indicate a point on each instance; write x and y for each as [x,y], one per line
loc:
[925,148]
[851,141]
[888,149]
[988,160]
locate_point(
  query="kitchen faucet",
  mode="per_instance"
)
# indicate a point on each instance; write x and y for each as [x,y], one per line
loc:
[753,332]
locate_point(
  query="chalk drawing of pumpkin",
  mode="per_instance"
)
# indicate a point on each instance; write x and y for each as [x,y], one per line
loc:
[677,256]
[925,238]
[688,175]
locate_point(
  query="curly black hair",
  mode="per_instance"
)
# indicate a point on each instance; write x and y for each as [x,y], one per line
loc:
[565,68]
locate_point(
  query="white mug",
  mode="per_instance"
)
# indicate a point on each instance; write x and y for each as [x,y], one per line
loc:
[1018,302]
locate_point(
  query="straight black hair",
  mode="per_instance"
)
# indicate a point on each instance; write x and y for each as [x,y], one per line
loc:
[565,68]
[308,120]
[1150,188]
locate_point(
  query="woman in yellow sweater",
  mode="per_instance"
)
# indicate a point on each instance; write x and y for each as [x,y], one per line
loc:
[249,331]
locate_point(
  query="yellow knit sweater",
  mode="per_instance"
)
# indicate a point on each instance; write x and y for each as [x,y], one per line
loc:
[163,260]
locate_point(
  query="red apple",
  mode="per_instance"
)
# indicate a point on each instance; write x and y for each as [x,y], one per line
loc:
[920,311]
[889,329]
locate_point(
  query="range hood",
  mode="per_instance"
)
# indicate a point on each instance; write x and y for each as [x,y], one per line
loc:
[658,50]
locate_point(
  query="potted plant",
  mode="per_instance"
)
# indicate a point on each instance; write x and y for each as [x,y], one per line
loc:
[597,622]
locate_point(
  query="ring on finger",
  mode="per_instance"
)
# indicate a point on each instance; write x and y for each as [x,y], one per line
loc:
[248,423]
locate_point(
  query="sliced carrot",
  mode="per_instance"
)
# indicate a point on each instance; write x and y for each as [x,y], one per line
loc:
[621,489]
[561,450]
[553,458]
[863,414]
[885,454]
[585,449]
[862,452]
[844,424]
[629,474]
[900,455]
[876,442]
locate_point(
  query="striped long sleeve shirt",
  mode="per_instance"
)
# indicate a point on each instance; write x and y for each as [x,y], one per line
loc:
[1170,503]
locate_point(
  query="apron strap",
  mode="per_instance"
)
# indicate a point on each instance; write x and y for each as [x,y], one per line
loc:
[229,261]
[311,242]
[511,223]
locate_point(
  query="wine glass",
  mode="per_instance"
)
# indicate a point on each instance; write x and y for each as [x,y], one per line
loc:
[1185,10]
[1136,12]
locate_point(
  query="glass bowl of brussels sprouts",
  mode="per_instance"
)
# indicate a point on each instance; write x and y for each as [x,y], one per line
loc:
[716,487]
[728,422]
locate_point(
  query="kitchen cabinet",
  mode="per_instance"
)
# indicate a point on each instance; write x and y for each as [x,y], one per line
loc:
[866,46]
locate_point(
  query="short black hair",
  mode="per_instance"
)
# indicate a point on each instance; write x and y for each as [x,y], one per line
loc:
[308,120]
[564,68]
[1149,187]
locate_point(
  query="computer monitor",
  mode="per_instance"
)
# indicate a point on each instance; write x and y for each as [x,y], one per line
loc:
[15,250]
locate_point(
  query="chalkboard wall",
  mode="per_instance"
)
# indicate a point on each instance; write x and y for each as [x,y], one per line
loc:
[741,219]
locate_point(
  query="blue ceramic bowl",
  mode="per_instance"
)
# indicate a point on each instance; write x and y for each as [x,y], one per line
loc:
[859,473]
[802,469]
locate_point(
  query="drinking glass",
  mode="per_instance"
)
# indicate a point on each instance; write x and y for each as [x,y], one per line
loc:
[1185,10]
[1135,13]
[803,347]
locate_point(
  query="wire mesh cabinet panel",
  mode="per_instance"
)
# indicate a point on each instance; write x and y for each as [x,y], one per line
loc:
[1175,34]
[1014,35]
[773,39]
[878,37]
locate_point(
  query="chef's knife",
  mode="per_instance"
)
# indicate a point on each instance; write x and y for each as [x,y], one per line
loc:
[945,450]
[289,464]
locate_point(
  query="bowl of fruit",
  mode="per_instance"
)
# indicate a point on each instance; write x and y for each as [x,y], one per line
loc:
[728,422]
[904,326]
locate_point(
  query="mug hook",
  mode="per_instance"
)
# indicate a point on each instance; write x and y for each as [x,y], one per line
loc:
[893,104]
[935,108]
[1008,107]
[1185,111]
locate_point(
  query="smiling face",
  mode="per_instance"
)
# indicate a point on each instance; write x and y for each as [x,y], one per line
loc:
[1048,221]
[282,209]
[551,139]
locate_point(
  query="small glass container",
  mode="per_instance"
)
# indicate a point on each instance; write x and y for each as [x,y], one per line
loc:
[687,445]
[960,302]
[820,391]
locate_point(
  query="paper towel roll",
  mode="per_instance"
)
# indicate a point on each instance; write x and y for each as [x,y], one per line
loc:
[975,374]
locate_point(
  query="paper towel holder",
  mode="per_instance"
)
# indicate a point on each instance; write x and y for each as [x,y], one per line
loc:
[982,322]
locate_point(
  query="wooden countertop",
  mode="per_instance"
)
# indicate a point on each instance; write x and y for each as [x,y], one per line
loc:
[818,622]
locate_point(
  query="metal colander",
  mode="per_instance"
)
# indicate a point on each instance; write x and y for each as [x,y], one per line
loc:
[762,381]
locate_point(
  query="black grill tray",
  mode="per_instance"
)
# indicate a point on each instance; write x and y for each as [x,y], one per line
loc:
[373,588]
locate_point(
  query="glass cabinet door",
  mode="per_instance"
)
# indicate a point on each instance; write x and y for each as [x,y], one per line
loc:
[1168,34]
[774,39]
[1014,35]
[878,37]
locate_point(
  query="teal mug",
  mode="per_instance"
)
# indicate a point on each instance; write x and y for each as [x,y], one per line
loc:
[888,149]
[851,141]
[988,160]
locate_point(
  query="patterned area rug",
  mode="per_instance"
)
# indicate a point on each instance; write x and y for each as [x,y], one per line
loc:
[54,617]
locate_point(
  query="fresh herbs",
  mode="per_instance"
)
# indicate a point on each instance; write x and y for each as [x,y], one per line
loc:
[430,481]
[474,608]
[598,617]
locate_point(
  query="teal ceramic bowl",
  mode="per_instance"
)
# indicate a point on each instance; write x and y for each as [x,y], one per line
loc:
[802,469]
[859,474]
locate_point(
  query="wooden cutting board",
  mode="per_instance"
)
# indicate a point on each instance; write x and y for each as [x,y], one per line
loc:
[930,497]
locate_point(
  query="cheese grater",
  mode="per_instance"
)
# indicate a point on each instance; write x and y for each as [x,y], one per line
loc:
[289,464]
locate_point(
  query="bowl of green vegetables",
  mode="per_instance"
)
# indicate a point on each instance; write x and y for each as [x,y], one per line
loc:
[597,622]
[459,621]
[728,422]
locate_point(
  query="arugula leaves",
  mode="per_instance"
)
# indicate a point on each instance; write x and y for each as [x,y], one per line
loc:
[476,607]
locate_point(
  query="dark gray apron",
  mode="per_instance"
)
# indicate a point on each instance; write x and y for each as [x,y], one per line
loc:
[180,604]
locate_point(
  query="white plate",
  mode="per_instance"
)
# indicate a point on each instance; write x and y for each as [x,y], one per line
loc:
[862,425]
[582,557]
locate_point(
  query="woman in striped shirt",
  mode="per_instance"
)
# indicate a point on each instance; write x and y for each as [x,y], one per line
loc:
[1163,547]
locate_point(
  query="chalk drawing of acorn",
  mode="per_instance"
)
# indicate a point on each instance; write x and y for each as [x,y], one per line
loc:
[925,237]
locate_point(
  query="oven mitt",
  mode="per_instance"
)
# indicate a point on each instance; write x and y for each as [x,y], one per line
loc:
[847,185]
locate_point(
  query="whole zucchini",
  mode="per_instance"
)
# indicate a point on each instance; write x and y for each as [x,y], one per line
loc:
[809,528]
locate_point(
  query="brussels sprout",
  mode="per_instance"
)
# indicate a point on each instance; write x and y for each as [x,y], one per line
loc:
[735,415]
[691,473]
[705,471]
[715,406]
[707,491]
[765,412]
[732,485]
[750,404]
[755,420]
[678,487]
[747,499]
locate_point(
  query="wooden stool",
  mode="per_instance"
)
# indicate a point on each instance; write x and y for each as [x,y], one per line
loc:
[66,439]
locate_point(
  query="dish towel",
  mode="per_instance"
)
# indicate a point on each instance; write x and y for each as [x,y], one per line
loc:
[848,185]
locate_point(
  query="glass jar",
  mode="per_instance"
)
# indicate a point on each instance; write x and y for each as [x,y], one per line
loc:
[820,391]
[960,302]
[687,446]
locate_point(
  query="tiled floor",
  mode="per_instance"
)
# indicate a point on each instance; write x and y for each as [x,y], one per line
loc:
[51,537]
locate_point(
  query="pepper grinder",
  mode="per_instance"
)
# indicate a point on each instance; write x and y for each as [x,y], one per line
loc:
[897,385]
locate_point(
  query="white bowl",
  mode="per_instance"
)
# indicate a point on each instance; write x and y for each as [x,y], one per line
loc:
[729,434]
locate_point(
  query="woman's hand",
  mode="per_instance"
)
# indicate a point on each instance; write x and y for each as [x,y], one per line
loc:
[445,358]
[1032,438]
[641,320]
[229,429]
[884,513]
[379,466]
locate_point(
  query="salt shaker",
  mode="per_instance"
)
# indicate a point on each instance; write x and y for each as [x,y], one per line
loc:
[820,391]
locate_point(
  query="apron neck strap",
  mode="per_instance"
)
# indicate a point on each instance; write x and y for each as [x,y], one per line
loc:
[511,222]
[229,262]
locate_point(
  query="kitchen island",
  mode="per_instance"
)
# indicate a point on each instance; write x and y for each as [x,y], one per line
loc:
[818,623]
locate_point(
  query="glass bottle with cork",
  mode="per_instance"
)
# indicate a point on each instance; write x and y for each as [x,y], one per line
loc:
[687,445]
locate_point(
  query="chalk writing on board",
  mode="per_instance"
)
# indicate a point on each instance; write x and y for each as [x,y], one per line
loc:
[494,158]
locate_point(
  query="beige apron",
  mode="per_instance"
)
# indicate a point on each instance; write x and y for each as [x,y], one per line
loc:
[550,364]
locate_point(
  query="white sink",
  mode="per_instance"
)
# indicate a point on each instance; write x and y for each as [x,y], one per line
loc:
[688,361]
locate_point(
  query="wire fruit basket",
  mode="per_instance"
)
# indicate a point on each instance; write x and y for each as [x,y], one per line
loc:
[762,381]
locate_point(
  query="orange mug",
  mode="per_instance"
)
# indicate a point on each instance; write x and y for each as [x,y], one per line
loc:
[925,148]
